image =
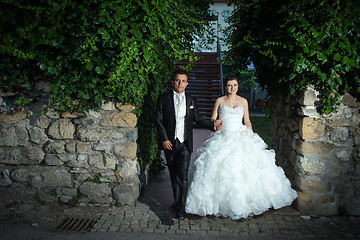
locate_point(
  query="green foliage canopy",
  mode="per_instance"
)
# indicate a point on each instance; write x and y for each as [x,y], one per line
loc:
[93,51]
[293,44]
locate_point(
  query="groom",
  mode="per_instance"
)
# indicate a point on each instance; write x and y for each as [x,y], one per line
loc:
[174,117]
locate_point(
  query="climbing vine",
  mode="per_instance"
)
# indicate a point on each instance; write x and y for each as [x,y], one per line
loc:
[293,44]
[96,51]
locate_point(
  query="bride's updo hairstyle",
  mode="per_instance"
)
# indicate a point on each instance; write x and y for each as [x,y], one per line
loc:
[229,78]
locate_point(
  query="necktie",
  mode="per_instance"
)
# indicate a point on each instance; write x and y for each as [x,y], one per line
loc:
[180,99]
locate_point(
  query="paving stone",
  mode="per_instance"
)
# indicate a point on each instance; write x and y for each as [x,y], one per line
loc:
[170,231]
[159,231]
[244,234]
[123,219]
[147,230]
[213,233]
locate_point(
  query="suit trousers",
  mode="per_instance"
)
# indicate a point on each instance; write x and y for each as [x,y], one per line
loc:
[178,161]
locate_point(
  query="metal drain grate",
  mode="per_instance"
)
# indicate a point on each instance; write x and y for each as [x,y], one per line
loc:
[71,224]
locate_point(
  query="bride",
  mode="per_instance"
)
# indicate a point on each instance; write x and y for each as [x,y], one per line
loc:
[233,174]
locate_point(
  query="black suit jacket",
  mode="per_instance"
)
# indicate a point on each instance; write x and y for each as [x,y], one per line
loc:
[165,119]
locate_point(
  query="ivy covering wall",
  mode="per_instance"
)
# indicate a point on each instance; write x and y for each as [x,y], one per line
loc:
[293,44]
[96,50]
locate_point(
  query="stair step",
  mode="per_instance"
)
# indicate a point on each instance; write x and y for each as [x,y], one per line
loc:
[204,81]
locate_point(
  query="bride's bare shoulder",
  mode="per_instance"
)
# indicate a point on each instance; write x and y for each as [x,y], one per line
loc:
[220,100]
[242,101]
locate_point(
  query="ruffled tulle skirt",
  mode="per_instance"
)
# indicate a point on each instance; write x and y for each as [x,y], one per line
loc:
[234,175]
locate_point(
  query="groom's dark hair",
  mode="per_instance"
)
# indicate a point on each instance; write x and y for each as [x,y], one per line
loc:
[179,71]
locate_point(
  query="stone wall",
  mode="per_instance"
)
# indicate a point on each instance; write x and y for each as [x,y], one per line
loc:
[67,158]
[320,155]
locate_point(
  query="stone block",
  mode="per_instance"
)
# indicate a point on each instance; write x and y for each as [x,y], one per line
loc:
[314,185]
[51,113]
[70,147]
[100,193]
[14,136]
[357,169]
[59,159]
[103,160]
[18,193]
[326,198]
[311,128]
[53,160]
[350,101]
[126,193]
[313,166]
[38,136]
[125,108]
[79,162]
[106,147]
[125,150]
[132,134]
[71,115]
[326,209]
[343,154]
[121,119]
[355,120]
[107,106]
[307,197]
[108,175]
[304,207]
[94,114]
[31,154]
[344,189]
[129,170]
[69,191]
[315,147]
[62,129]
[338,122]
[42,176]
[339,133]
[96,134]
[12,118]
[5,179]
[348,113]
[308,97]
[42,122]
[83,147]
[55,147]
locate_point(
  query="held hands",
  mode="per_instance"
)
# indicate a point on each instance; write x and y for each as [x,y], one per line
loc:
[217,125]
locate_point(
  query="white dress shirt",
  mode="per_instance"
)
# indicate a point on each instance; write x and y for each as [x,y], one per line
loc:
[180,112]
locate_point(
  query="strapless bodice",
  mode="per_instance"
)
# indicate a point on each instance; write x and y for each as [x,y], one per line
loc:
[231,117]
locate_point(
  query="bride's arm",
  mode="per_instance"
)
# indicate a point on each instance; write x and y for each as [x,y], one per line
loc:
[247,121]
[215,115]
[215,112]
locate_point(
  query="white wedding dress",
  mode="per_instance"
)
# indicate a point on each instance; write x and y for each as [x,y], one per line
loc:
[234,175]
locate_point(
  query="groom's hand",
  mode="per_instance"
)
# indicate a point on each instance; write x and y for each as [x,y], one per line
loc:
[167,145]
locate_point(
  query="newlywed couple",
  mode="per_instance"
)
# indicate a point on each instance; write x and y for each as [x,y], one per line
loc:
[233,174]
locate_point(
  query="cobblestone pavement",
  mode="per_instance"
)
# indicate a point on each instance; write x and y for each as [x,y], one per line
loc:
[272,224]
[150,218]
[153,216]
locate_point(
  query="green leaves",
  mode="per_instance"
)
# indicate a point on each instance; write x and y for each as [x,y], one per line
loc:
[100,69]
[95,51]
[104,33]
[316,44]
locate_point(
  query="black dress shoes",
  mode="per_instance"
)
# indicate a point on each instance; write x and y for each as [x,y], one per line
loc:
[180,215]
